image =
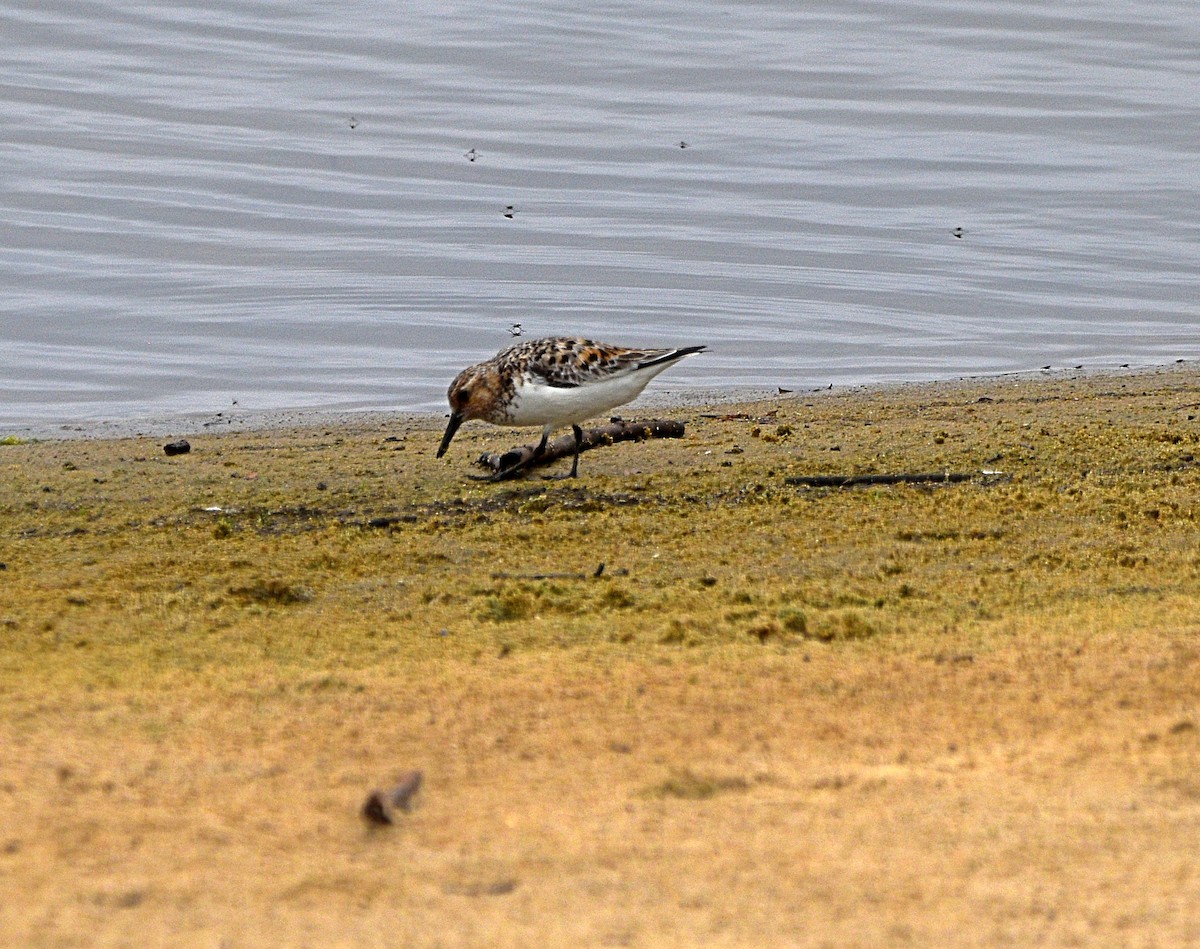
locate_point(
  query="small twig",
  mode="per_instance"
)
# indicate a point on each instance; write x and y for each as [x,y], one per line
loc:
[381,806]
[521,459]
[741,416]
[595,574]
[849,481]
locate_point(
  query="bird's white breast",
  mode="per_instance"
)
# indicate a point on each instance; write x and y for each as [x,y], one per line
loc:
[535,403]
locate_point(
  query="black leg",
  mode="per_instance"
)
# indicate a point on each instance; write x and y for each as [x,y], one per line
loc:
[513,470]
[578,444]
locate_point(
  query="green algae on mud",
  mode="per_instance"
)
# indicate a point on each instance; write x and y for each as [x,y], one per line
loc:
[355,546]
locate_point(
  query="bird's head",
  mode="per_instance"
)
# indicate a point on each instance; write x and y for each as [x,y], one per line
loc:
[474,393]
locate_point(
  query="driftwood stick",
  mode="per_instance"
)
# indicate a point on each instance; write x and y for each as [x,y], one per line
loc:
[594,575]
[849,481]
[381,806]
[521,459]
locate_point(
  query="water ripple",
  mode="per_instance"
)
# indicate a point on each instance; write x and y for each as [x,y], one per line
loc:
[304,205]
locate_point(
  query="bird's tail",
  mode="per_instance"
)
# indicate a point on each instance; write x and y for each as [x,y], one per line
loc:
[669,356]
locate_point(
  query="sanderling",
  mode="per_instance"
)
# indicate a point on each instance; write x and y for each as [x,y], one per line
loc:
[552,382]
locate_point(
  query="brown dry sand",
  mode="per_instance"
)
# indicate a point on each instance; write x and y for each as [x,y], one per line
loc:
[928,715]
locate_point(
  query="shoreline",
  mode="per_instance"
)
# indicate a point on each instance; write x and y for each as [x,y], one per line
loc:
[237,421]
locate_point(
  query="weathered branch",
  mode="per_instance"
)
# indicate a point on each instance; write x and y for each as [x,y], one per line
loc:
[849,481]
[381,806]
[594,575]
[521,459]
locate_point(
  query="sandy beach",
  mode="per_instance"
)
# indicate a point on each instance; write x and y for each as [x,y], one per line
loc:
[684,699]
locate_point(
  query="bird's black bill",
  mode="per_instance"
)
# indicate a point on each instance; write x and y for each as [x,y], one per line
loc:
[455,421]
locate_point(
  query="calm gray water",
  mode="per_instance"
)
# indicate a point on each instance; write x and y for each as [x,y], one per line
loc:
[276,203]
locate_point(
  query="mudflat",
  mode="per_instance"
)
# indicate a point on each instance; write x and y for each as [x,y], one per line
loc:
[681,700]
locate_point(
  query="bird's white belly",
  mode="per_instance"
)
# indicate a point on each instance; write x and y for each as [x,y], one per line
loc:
[538,404]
